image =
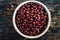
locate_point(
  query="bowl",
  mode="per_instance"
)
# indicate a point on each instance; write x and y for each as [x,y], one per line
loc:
[37,36]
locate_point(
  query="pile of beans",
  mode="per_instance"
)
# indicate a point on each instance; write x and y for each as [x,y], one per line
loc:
[31,19]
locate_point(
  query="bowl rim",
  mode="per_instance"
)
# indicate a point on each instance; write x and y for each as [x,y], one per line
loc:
[31,37]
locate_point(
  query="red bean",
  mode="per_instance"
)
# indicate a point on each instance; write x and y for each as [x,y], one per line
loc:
[31,19]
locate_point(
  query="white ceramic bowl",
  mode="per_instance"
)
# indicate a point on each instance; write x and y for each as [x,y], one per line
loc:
[48,25]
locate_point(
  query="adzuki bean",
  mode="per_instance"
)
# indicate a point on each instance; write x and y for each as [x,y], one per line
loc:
[31,19]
